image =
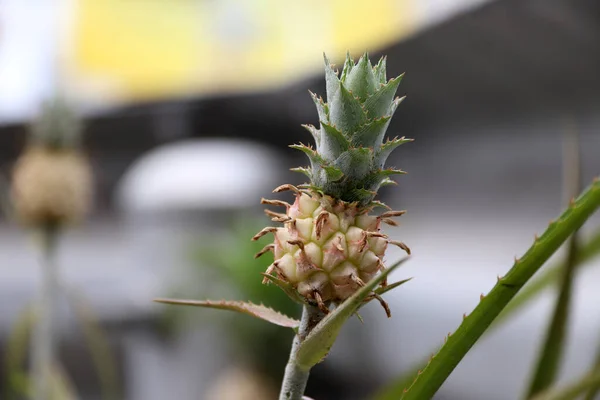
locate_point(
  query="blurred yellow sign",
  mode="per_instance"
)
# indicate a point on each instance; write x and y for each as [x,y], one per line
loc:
[147,49]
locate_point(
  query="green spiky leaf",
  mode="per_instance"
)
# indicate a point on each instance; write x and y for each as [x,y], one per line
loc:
[345,111]
[386,149]
[380,103]
[333,142]
[474,325]
[371,134]
[315,159]
[332,82]
[388,182]
[254,310]
[355,163]
[348,65]
[321,107]
[302,170]
[379,71]
[361,81]
[316,134]
[333,174]
[391,286]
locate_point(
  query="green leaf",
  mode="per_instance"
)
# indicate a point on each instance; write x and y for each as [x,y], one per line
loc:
[357,194]
[572,390]
[379,70]
[553,348]
[348,65]
[361,81]
[321,107]
[317,343]
[391,286]
[302,170]
[380,104]
[474,325]
[254,310]
[332,174]
[386,149]
[548,279]
[315,159]
[316,134]
[355,163]
[332,82]
[346,112]
[545,280]
[333,143]
[595,388]
[371,134]
[388,182]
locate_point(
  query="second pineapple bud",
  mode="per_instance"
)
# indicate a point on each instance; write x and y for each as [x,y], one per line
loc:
[52,180]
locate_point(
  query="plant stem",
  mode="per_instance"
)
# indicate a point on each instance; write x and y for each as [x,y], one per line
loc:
[548,363]
[572,390]
[295,378]
[43,337]
[591,395]
[474,325]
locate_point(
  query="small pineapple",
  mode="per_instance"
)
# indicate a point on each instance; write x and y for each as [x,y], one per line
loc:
[329,244]
[52,179]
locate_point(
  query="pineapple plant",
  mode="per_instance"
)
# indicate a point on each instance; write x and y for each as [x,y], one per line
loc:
[51,183]
[330,243]
[329,251]
[51,188]
[328,254]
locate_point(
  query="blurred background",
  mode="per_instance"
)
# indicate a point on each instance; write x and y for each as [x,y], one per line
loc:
[189,107]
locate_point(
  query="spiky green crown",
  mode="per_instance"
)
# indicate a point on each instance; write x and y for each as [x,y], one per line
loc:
[57,126]
[348,163]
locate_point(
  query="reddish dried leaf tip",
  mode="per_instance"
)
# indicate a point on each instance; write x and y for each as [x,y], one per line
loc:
[390,222]
[481,296]
[381,301]
[286,187]
[264,231]
[266,249]
[402,245]
[275,203]
[391,214]
[254,310]
[320,302]
[320,223]
[297,242]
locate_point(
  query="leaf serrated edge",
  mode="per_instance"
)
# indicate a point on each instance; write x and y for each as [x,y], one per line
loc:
[238,306]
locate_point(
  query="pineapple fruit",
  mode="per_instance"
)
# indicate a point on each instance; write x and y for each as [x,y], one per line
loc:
[51,183]
[330,244]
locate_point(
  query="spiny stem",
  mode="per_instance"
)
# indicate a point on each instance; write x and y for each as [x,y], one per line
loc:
[43,351]
[473,326]
[295,378]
